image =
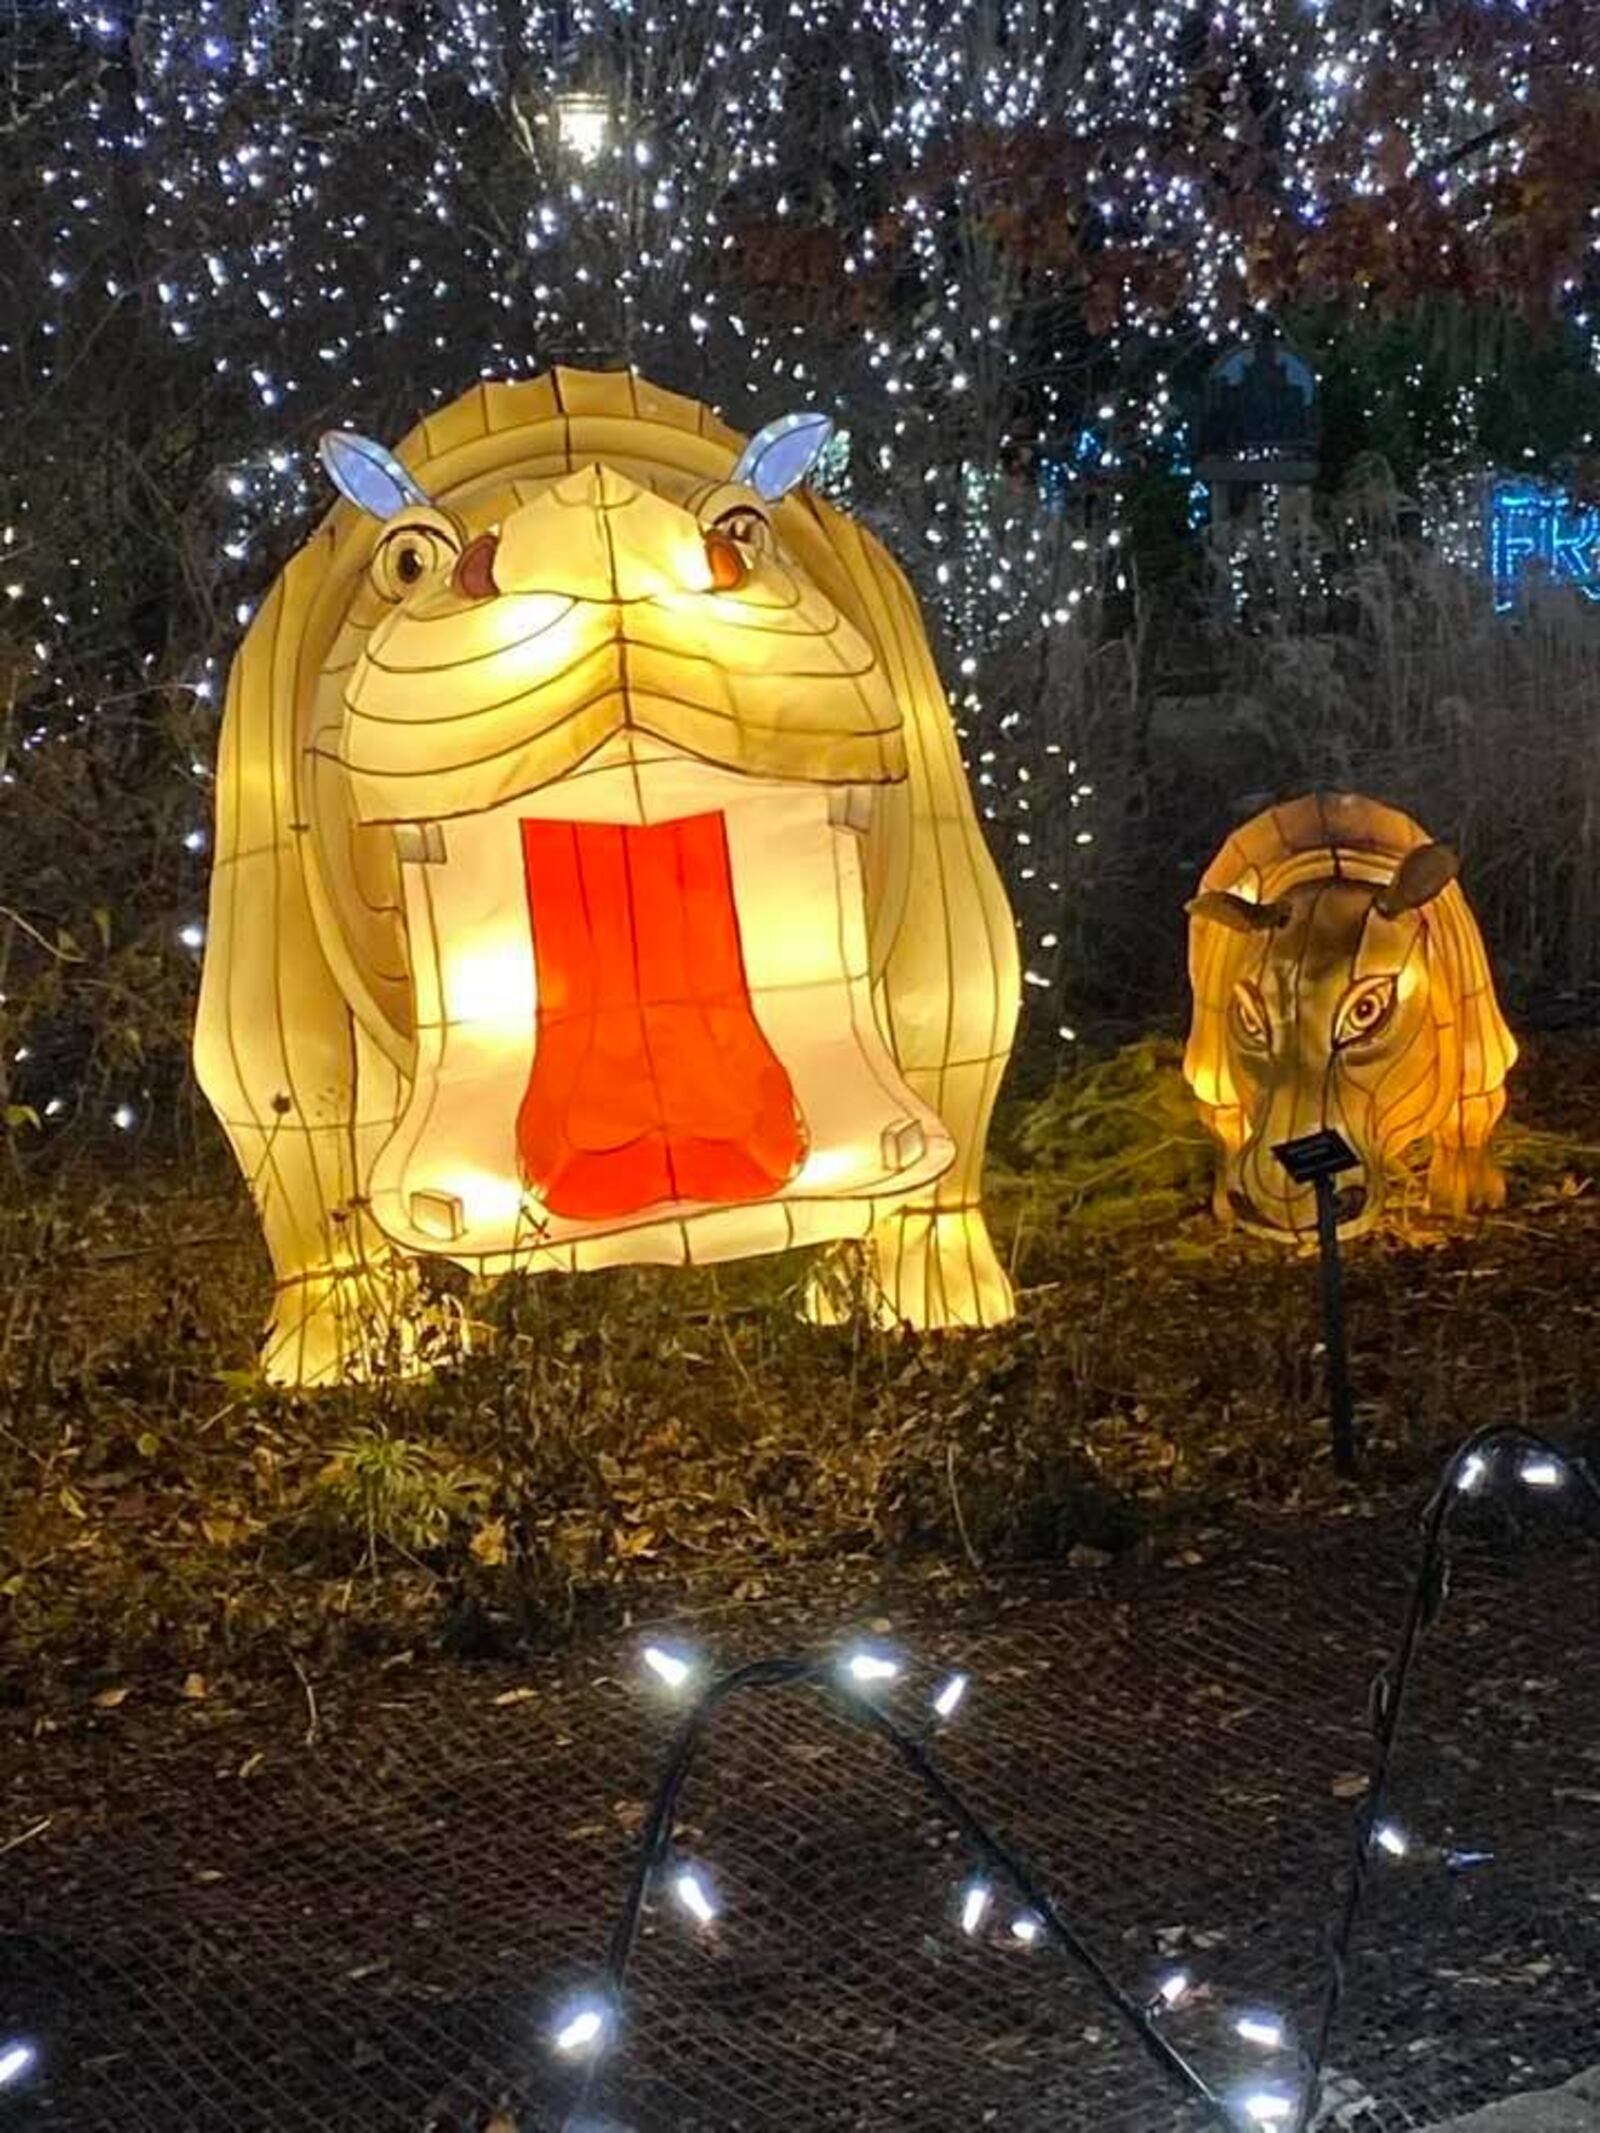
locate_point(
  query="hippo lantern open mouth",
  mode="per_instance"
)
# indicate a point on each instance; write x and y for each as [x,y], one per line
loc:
[597,881]
[628,1039]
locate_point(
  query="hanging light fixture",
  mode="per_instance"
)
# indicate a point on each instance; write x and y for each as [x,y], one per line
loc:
[583,123]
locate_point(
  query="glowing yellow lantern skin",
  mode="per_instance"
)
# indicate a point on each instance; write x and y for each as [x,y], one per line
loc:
[587,713]
[1340,980]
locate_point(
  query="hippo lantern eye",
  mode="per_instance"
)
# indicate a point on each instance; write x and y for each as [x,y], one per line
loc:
[1249,1013]
[1364,1011]
[410,553]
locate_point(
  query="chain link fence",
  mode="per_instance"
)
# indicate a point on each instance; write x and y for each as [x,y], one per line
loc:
[359,1904]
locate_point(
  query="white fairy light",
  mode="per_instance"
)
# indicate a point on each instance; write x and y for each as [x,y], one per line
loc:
[1026,1928]
[1391,1840]
[1541,1473]
[1262,2029]
[865,1666]
[975,1905]
[16,2059]
[950,1695]
[667,1666]
[1472,1470]
[708,135]
[1173,1988]
[124,1118]
[1267,2107]
[1462,1862]
[192,935]
[690,1889]
[580,2028]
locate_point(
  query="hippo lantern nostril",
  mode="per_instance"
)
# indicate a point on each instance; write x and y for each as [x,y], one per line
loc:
[475,568]
[728,570]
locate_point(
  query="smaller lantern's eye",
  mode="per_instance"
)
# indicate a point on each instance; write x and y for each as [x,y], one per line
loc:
[1364,1011]
[1249,1013]
[411,552]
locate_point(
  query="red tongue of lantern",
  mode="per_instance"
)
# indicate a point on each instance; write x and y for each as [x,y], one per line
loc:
[652,1081]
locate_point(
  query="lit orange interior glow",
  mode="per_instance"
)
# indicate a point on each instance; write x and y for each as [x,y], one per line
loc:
[652,1081]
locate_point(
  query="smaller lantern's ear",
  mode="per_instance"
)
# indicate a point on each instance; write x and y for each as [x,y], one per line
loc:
[782,454]
[1237,913]
[1417,880]
[368,474]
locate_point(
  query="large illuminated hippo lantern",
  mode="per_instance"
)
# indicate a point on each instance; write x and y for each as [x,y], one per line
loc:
[596,880]
[1340,981]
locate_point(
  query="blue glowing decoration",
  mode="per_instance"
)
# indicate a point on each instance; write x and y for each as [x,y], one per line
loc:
[1065,459]
[1532,526]
[1055,480]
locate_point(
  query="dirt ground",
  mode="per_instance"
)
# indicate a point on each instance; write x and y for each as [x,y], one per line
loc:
[622,1441]
[323,1748]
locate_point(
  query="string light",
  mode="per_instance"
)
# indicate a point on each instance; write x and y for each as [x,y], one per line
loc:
[1540,1473]
[1265,2030]
[975,1906]
[640,214]
[950,1696]
[581,2028]
[669,1667]
[1267,2107]
[584,2026]
[690,1889]
[1471,1472]
[16,2059]
[868,1667]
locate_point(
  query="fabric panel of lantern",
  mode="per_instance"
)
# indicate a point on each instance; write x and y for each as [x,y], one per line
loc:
[1339,980]
[597,881]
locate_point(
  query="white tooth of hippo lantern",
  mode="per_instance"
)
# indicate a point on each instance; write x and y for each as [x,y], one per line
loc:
[1340,980]
[597,882]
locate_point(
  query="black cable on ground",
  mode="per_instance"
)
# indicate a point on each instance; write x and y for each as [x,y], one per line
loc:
[1387,1704]
[822,1674]
[1387,1707]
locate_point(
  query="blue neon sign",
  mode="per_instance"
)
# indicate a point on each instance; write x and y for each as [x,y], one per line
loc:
[1533,525]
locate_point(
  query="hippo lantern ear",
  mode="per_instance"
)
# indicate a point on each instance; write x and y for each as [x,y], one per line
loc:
[1417,880]
[368,475]
[781,455]
[1237,913]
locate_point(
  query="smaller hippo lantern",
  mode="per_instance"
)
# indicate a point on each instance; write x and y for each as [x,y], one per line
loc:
[1341,981]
